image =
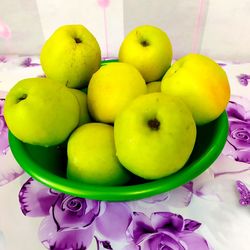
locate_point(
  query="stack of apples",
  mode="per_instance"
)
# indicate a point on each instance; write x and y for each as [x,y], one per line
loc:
[134,116]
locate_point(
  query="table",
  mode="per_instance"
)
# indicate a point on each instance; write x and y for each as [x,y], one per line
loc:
[210,212]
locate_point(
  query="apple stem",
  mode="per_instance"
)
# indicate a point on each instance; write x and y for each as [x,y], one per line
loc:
[77,40]
[23,97]
[154,124]
[144,43]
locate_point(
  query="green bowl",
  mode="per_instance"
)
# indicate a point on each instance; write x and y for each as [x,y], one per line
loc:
[48,166]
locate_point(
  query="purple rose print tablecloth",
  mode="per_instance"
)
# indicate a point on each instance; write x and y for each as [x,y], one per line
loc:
[210,212]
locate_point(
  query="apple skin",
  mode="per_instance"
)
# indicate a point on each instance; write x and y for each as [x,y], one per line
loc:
[201,83]
[154,86]
[40,111]
[111,88]
[154,135]
[83,106]
[91,156]
[149,49]
[71,55]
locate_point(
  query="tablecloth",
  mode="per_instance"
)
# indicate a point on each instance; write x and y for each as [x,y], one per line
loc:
[210,212]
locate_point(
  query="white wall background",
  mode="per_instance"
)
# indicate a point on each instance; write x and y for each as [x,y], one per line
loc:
[226,34]
[217,28]
[25,25]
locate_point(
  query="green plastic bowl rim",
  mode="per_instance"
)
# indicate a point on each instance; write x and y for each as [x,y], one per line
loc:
[122,193]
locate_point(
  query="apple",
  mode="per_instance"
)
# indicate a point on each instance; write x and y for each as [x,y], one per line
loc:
[201,83]
[71,55]
[154,135]
[41,111]
[82,101]
[91,156]
[149,49]
[111,88]
[154,86]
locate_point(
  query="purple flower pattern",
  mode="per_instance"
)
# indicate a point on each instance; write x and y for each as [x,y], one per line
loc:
[3,59]
[73,223]
[4,144]
[27,62]
[218,179]
[222,64]
[164,230]
[9,170]
[243,79]
[244,193]
[238,141]
[103,244]
[70,222]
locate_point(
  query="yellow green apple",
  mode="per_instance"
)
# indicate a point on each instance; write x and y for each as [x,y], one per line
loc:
[149,49]
[82,101]
[91,156]
[154,86]
[71,55]
[41,111]
[154,135]
[111,88]
[201,83]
